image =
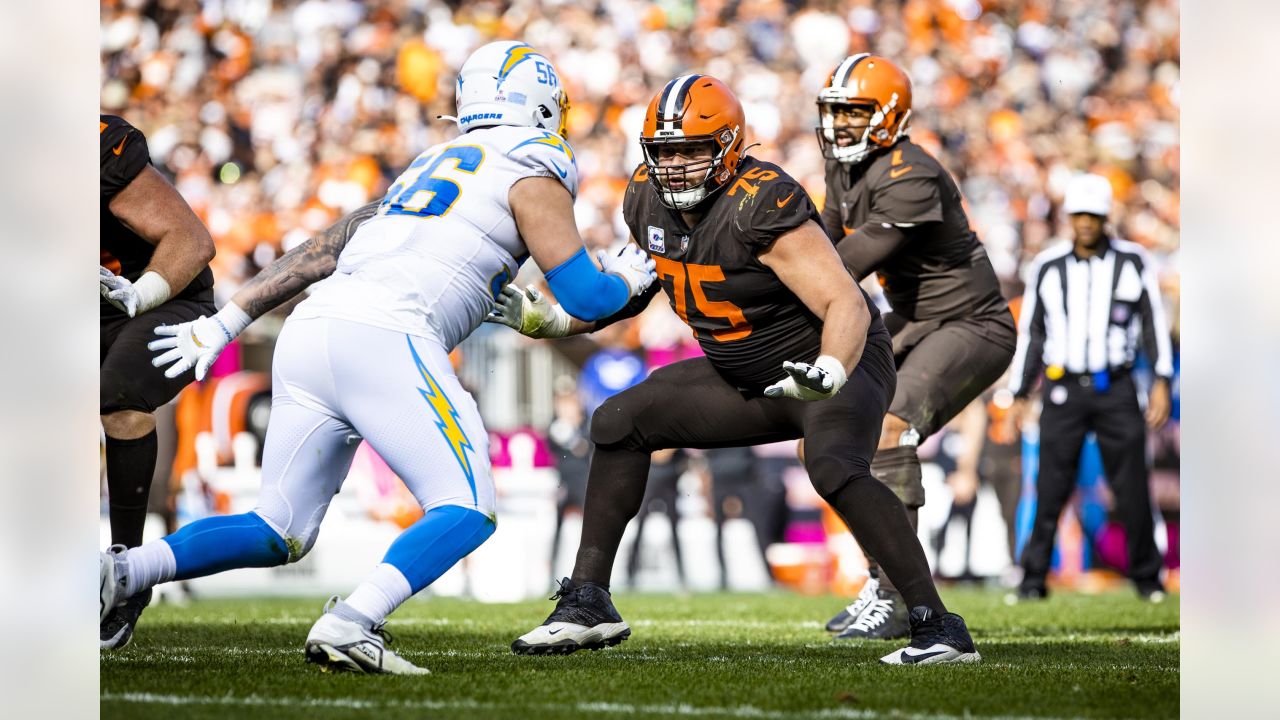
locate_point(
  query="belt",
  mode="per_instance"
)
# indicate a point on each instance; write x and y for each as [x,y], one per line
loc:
[1055,373]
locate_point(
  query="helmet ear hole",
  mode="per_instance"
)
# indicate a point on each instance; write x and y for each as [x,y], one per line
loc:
[546,112]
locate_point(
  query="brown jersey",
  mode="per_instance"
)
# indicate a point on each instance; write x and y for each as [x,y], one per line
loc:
[746,320]
[123,154]
[940,271]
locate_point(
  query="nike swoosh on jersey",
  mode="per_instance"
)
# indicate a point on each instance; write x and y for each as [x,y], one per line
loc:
[783,202]
[894,174]
[119,147]
[563,173]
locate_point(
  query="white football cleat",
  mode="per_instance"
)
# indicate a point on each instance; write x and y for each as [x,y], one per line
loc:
[110,582]
[338,644]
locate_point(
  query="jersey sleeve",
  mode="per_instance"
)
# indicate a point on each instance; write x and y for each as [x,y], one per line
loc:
[778,205]
[123,151]
[631,203]
[546,154]
[912,197]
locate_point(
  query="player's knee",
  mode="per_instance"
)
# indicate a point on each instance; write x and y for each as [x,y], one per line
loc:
[288,545]
[614,423]
[831,472]
[892,430]
[128,424]
[122,392]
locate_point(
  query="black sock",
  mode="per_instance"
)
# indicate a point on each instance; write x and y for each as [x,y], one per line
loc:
[130,465]
[615,490]
[873,567]
[878,521]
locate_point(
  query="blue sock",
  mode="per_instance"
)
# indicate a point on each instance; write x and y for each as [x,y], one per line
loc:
[442,537]
[225,542]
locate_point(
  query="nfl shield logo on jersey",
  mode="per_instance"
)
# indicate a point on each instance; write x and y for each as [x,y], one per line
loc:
[657,240]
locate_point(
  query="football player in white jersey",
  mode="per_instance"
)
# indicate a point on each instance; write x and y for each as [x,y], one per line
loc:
[366,355]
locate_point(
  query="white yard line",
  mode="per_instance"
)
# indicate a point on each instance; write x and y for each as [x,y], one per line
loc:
[683,710]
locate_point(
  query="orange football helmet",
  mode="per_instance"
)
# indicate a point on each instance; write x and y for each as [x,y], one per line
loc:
[692,114]
[869,81]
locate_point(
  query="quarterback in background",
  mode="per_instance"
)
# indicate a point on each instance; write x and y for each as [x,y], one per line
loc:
[792,349]
[366,356]
[892,208]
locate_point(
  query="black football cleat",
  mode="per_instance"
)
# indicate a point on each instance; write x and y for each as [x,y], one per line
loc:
[845,617]
[584,619]
[935,639]
[117,629]
[884,618]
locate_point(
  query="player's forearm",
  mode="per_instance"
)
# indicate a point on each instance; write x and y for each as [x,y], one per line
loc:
[844,328]
[181,254]
[867,248]
[297,269]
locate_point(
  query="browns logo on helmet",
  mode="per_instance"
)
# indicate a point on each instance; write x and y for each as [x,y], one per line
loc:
[866,86]
[698,117]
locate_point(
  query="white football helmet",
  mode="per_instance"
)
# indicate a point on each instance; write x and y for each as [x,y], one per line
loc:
[510,83]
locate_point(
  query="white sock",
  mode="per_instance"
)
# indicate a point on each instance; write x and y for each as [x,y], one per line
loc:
[382,592]
[147,565]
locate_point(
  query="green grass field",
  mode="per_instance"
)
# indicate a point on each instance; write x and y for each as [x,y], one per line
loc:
[714,656]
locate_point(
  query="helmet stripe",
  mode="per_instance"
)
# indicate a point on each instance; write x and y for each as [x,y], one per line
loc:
[842,73]
[674,96]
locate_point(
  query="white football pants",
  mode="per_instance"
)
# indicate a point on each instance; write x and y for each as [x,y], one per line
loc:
[336,381]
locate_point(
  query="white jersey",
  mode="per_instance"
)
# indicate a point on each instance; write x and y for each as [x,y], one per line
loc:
[444,241]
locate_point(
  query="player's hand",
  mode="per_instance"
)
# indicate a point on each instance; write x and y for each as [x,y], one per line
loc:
[118,291]
[191,344]
[804,381]
[633,265]
[1158,404]
[529,313]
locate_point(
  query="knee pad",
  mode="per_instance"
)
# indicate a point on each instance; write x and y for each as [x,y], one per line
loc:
[830,473]
[614,423]
[119,391]
[899,469]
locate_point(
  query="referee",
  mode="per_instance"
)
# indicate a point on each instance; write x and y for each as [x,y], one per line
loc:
[1088,304]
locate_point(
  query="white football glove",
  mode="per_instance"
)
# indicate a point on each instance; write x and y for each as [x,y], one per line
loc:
[197,343]
[633,265]
[529,313]
[131,298]
[818,381]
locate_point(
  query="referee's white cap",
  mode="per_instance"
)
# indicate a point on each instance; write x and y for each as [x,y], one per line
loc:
[1088,193]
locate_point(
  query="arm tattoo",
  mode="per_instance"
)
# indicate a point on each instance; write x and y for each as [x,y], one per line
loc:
[292,272]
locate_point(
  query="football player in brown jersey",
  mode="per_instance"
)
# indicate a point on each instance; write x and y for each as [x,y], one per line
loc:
[892,208]
[154,270]
[792,349]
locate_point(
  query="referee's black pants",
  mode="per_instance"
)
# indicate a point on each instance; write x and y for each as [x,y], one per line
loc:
[1116,419]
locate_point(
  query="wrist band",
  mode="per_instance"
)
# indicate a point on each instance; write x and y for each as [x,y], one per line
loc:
[151,290]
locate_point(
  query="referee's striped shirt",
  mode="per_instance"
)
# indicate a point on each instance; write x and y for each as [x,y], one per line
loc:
[1088,315]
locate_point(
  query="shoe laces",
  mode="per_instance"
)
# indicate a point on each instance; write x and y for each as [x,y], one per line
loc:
[865,597]
[381,631]
[566,590]
[874,615]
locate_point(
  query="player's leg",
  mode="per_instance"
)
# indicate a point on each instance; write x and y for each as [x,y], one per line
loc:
[306,457]
[685,404]
[130,392]
[941,369]
[840,439]
[1122,436]
[402,396]
[1064,421]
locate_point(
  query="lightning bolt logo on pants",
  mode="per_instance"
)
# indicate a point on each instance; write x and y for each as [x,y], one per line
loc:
[447,419]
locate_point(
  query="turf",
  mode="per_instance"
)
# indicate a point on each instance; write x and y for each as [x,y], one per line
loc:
[714,656]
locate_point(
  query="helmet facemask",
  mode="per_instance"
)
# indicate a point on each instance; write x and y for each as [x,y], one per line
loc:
[682,186]
[849,142]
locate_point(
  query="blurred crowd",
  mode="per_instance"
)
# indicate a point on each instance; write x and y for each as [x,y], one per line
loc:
[276,117]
